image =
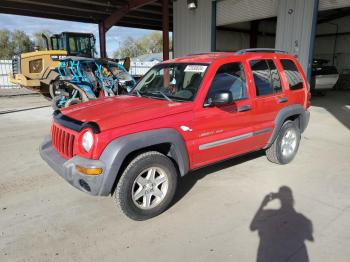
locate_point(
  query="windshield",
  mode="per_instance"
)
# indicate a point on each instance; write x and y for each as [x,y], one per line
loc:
[172,81]
[80,45]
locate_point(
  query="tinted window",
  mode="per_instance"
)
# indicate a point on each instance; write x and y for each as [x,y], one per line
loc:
[293,76]
[266,78]
[229,78]
[275,77]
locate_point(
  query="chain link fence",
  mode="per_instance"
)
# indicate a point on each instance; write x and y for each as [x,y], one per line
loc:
[5,70]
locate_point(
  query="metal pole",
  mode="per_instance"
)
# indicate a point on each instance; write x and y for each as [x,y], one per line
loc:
[165,29]
[335,41]
[102,38]
[213,25]
[312,39]
[253,36]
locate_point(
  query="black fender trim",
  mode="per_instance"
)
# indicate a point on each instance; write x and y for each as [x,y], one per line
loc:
[286,112]
[116,152]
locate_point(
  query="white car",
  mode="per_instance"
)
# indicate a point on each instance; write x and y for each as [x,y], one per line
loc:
[324,77]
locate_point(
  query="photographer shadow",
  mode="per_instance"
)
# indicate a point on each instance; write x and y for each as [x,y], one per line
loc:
[282,231]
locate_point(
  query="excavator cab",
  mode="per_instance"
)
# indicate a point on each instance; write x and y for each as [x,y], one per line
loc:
[76,44]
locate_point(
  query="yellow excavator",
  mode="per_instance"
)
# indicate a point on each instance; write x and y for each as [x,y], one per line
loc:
[37,70]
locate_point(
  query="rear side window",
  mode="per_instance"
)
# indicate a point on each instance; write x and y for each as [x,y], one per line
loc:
[230,78]
[266,78]
[293,75]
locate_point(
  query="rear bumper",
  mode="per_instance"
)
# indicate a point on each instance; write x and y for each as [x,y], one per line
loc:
[92,185]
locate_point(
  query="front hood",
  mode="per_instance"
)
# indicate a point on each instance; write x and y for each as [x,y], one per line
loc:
[112,112]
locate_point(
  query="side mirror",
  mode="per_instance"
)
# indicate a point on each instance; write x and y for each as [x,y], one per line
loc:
[222,98]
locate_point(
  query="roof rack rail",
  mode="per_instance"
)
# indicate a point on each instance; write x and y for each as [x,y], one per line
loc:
[202,53]
[272,50]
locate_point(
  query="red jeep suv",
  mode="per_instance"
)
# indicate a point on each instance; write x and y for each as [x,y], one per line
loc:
[184,114]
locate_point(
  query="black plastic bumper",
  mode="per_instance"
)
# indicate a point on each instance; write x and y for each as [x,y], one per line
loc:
[67,169]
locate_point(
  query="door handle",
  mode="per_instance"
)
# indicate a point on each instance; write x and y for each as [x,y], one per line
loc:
[244,108]
[282,99]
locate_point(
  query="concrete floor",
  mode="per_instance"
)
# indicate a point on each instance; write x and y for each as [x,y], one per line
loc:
[42,218]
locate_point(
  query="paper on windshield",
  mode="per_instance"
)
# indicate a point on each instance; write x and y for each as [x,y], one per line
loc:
[195,68]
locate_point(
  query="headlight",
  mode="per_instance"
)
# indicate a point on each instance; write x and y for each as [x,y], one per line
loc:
[88,140]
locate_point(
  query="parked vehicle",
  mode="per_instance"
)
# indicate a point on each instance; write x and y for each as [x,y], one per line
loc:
[83,79]
[184,114]
[36,70]
[324,77]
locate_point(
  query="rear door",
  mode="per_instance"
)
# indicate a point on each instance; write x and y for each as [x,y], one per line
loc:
[269,98]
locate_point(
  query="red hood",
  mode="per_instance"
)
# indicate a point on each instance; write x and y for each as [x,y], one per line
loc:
[120,111]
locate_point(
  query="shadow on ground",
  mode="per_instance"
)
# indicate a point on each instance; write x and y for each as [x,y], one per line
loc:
[187,182]
[282,231]
[337,103]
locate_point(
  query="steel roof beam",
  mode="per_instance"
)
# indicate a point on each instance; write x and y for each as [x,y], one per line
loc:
[118,14]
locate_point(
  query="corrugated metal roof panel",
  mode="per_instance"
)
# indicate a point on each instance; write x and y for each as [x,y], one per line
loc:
[332,4]
[236,11]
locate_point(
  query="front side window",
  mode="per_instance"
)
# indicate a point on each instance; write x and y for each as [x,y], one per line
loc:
[179,81]
[229,78]
[266,78]
[293,76]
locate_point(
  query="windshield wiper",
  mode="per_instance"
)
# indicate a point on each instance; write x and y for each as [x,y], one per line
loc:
[164,95]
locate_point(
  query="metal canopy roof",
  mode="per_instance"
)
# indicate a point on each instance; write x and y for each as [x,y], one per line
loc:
[90,11]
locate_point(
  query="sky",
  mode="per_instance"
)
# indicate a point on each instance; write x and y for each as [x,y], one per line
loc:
[31,25]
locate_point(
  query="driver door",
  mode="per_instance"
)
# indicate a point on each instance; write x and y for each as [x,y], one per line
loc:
[226,130]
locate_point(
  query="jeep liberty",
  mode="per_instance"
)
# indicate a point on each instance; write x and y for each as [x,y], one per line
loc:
[184,114]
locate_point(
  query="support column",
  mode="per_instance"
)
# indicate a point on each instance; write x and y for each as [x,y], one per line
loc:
[192,28]
[165,29]
[102,38]
[253,37]
[296,29]
[213,26]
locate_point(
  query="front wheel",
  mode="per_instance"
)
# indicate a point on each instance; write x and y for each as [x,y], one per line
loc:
[286,145]
[147,186]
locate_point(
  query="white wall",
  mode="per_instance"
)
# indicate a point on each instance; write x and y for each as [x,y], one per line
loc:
[192,28]
[231,41]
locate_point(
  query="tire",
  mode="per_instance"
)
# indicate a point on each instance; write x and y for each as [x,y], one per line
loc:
[284,148]
[128,187]
[53,87]
[72,101]
[54,102]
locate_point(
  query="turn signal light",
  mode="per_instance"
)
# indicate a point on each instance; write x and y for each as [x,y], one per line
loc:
[90,171]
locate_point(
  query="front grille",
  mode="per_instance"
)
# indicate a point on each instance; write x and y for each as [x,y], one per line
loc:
[63,140]
[16,66]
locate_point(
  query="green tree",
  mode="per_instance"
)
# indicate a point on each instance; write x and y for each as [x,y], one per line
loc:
[39,40]
[5,42]
[133,47]
[20,42]
[130,47]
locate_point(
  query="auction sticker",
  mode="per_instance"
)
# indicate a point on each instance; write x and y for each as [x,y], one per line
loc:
[195,68]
